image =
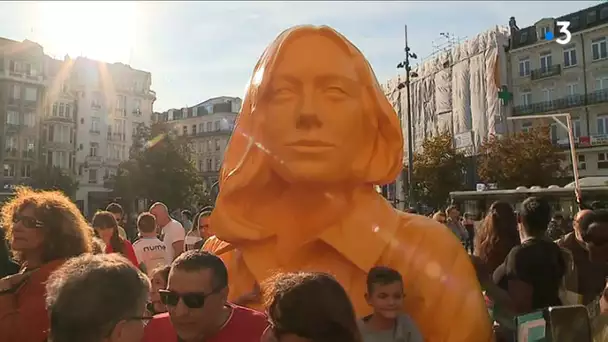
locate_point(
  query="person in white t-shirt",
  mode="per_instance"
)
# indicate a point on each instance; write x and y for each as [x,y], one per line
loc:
[172,231]
[150,251]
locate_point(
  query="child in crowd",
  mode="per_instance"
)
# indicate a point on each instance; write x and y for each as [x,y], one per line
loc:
[388,322]
[150,251]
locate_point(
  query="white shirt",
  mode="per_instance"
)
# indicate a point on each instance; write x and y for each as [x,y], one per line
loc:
[172,232]
[151,252]
[191,239]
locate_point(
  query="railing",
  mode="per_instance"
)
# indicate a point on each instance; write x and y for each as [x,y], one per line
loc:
[117,136]
[569,101]
[599,96]
[553,70]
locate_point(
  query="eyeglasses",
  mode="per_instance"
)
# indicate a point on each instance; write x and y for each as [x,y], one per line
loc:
[193,300]
[28,222]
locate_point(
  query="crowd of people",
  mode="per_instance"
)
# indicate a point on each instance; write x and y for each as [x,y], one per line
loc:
[64,279]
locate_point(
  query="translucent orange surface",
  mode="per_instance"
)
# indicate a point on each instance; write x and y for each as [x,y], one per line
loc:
[315,134]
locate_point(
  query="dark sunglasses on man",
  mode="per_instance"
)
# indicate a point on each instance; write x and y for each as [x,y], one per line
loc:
[28,222]
[193,300]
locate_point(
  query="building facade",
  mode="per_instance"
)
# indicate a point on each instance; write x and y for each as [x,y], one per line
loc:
[113,100]
[208,126]
[22,85]
[549,78]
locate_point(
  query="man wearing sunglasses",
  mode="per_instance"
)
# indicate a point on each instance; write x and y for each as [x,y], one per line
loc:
[588,246]
[196,297]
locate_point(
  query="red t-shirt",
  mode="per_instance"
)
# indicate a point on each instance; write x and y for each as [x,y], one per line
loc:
[245,325]
[127,250]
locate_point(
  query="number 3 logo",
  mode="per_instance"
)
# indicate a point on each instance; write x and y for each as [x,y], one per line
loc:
[563,28]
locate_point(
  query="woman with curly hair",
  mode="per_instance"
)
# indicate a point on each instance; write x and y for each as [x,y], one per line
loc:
[310,307]
[44,229]
[106,228]
[497,235]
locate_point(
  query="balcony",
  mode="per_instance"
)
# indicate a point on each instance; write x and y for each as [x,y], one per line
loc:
[22,77]
[569,101]
[218,132]
[600,96]
[12,127]
[554,70]
[117,136]
[584,141]
[92,160]
[121,112]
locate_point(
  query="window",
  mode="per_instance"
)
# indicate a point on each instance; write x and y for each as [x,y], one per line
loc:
[12,117]
[591,17]
[31,94]
[59,134]
[61,110]
[16,93]
[209,145]
[60,159]
[599,49]
[93,149]
[137,105]
[68,111]
[92,176]
[55,109]
[26,170]
[11,146]
[526,98]
[217,144]
[576,128]
[582,163]
[602,125]
[602,160]
[9,170]
[548,94]
[185,130]
[524,67]
[523,38]
[545,62]
[572,89]
[95,124]
[543,31]
[194,111]
[209,127]
[601,83]
[526,126]
[201,127]
[553,132]
[193,129]
[29,119]
[218,164]
[209,164]
[121,101]
[216,125]
[604,13]
[569,57]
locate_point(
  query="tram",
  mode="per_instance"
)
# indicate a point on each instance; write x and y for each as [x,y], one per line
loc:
[562,199]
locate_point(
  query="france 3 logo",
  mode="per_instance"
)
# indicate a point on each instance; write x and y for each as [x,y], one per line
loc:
[565,36]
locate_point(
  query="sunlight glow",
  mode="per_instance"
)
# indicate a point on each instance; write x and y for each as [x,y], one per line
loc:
[104,31]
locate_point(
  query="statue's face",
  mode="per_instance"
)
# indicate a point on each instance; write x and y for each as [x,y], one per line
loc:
[313,116]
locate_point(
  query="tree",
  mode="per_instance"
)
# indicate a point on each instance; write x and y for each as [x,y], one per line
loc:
[47,177]
[520,159]
[438,169]
[160,168]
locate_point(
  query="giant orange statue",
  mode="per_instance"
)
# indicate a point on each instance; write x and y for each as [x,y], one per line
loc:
[315,134]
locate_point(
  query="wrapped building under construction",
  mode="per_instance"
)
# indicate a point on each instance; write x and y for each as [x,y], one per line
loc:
[457,90]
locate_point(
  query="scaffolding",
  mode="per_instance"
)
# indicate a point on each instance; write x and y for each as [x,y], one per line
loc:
[444,44]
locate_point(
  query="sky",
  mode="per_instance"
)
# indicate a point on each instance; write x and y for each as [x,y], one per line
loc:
[199,50]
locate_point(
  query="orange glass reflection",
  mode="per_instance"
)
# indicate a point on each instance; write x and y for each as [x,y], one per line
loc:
[315,134]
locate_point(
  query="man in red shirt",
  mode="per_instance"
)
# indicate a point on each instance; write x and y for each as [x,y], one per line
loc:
[197,308]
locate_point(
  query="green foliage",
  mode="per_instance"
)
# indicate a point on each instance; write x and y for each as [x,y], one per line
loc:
[520,159]
[438,169]
[47,177]
[160,168]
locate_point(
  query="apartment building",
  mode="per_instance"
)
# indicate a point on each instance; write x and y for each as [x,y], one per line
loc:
[22,86]
[59,119]
[113,99]
[547,78]
[208,125]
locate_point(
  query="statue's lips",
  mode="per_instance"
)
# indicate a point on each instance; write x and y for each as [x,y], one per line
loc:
[310,146]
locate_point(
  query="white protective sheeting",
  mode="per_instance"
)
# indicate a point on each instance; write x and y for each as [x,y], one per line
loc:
[458,90]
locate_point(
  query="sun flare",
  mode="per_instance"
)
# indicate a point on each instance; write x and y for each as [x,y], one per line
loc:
[100,30]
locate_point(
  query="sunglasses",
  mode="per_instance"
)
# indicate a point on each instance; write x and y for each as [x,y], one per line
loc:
[27,222]
[193,300]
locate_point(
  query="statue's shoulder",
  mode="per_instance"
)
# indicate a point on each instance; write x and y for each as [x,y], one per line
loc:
[424,231]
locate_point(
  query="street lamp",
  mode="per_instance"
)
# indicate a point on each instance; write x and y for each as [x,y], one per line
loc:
[410,144]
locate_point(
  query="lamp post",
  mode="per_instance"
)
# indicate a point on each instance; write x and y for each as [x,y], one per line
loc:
[410,144]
